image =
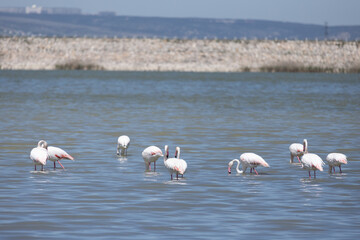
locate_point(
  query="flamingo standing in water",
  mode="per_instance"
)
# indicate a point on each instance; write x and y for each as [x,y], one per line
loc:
[151,154]
[123,144]
[174,165]
[335,160]
[39,155]
[296,150]
[311,161]
[55,154]
[177,155]
[251,160]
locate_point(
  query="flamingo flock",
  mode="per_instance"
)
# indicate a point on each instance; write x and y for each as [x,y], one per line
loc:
[177,166]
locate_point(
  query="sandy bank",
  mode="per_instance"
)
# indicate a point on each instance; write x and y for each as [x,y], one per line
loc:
[35,53]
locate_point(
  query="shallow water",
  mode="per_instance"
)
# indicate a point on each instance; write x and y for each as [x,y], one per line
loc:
[213,117]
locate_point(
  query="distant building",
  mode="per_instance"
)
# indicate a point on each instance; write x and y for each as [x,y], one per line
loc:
[40,10]
[33,10]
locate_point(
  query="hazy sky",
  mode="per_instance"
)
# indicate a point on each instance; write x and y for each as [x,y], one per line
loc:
[335,12]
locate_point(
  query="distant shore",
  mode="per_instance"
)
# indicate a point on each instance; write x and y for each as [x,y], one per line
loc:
[131,54]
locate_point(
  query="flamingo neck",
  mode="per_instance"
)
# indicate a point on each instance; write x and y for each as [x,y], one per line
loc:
[166,155]
[237,166]
[177,153]
[305,146]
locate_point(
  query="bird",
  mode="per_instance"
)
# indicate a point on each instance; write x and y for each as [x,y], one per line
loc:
[251,160]
[39,155]
[151,154]
[174,165]
[311,161]
[123,144]
[296,150]
[177,155]
[55,154]
[335,160]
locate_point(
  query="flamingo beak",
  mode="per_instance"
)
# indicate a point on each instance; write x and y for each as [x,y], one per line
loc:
[229,170]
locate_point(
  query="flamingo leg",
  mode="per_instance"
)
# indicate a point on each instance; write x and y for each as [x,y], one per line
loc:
[339,168]
[171,177]
[54,165]
[60,164]
[250,170]
[149,166]
[154,166]
[314,174]
[298,159]
[35,167]
[256,171]
[177,176]
[42,167]
[309,175]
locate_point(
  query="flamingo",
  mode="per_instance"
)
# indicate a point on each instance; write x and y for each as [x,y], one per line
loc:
[123,144]
[251,160]
[177,155]
[311,161]
[55,154]
[336,159]
[151,154]
[296,149]
[39,155]
[174,165]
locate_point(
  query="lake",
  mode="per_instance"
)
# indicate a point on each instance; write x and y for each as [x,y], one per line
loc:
[213,117]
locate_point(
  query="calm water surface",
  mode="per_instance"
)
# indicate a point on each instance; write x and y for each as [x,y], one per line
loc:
[213,118]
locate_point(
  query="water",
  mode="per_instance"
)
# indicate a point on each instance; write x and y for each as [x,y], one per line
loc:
[213,117]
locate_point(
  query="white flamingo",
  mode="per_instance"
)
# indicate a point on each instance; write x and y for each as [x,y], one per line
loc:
[296,150]
[177,155]
[39,155]
[174,165]
[311,161]
[250,160]
[55,154]
[335,160]
[151,154]
[123,144]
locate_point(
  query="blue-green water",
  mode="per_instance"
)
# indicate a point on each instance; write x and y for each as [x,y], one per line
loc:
[213,117]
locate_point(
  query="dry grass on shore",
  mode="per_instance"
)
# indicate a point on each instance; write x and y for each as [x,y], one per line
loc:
[78,65]
[298,67]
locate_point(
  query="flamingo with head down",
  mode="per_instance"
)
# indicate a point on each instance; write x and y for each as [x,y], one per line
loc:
[123,145]
[55,154]
[250,160]
[151,154]
[296,150]
[311,161]
[335,160]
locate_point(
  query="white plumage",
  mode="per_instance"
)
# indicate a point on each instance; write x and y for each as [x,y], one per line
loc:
[296,150]
[39,155]
[335,160]
[123,144]
[250,160]
[55,154]
[151,154]
[311,161]
[174,165]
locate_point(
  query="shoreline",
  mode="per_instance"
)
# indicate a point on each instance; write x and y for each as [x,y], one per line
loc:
[132,54]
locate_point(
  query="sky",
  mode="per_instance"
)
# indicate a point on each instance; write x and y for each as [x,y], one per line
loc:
[333,12]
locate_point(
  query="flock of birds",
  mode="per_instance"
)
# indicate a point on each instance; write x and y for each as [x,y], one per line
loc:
[177,166]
